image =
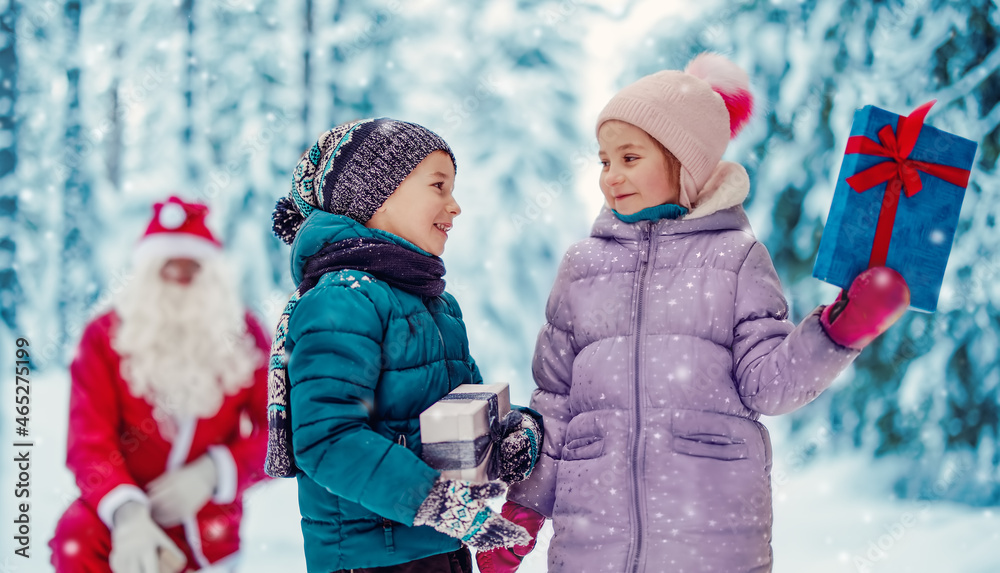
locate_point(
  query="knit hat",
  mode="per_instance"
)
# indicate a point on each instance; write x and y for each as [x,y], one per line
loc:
[352,170]
[693,114]
[178,230]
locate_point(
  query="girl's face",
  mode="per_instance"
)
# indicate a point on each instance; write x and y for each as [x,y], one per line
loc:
[422,208]
[636,171]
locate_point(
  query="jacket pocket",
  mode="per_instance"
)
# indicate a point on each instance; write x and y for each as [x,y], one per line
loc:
[585,448]
[710,446]
[711,435]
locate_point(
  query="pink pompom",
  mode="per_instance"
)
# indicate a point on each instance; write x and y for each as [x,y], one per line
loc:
[730,82]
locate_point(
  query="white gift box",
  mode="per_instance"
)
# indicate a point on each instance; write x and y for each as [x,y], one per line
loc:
[455,430]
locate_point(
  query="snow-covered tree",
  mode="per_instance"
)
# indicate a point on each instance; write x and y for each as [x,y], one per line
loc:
[11,293]
[79,280]
[121,103]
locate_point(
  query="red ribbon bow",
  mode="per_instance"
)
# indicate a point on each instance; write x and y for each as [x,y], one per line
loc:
[901,172]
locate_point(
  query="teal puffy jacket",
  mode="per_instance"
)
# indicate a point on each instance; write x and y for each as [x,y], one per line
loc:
[364,360]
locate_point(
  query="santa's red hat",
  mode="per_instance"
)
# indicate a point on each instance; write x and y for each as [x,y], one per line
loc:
[178,230]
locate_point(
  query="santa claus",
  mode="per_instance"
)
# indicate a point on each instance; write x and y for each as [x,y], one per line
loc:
[167,414]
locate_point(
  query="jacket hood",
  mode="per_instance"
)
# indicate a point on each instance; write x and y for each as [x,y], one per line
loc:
[719,207]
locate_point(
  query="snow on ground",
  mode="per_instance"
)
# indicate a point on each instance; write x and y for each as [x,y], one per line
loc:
[831,516]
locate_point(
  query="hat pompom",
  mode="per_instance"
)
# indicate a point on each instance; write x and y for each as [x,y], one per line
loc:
[286,220]
[730,82]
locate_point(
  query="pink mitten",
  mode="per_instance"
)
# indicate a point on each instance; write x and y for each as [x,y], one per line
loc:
[502,559]
[876,300]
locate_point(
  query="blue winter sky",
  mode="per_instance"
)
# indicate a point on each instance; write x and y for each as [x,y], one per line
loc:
[105,110]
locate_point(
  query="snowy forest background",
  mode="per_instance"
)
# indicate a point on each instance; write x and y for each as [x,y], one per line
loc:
[108,105]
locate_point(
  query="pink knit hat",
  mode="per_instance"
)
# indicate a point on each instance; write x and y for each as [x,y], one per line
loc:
[693,113]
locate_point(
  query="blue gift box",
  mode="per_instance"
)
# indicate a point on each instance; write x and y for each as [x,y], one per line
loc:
[926,216]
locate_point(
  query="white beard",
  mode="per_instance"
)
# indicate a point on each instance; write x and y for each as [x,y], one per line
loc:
[184,348]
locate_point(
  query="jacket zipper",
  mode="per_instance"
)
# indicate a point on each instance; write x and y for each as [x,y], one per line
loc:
[390,546]
[644,251]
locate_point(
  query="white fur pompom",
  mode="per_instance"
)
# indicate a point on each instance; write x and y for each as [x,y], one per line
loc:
[729,81]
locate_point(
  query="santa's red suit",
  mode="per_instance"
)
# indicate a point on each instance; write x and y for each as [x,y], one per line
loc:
[116,446]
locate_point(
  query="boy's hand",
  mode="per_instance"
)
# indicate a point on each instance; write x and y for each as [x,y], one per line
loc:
[876,300]
[504,560]
[520,448]
[457,508]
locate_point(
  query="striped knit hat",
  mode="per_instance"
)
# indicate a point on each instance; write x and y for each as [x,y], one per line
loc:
[693,114]
[352,170]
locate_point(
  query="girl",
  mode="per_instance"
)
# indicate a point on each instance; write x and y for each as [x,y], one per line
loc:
[371,340]
[667,338]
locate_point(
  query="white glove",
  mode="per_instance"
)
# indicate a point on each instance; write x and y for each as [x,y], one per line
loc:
[183,492]
[139,546]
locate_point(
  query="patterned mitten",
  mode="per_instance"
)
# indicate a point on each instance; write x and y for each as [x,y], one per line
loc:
[520,447]
[457,508]
[876,299]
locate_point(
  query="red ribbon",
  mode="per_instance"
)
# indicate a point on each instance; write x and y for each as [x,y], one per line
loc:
[901,173]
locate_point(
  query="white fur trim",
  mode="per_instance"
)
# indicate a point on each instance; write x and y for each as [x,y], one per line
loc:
[181,446]
[179,451]
[193,535]
[728,186]
[116,498]
[225,470]
[174,245]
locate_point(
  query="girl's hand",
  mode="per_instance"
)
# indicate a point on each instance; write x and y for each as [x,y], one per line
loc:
[876,300]
[504,560]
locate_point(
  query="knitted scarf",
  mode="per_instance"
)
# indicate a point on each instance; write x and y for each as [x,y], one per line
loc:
[399,266]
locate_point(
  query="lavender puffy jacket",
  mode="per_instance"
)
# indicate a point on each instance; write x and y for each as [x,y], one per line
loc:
[664,343]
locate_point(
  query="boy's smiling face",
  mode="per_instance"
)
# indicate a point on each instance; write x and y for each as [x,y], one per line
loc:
[422,208]
[636,171]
